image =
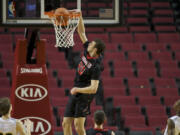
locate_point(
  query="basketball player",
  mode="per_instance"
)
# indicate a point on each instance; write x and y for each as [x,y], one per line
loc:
[99,119]
[11,126]
[173,123]
[85,84]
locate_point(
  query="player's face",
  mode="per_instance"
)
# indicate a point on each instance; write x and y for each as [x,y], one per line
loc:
[91,46]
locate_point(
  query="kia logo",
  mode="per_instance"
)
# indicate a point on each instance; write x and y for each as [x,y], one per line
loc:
[40,126]
[31,92]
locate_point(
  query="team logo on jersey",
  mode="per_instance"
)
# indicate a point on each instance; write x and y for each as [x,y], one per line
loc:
[40,126]
[83,64]
[31,92]
[81,68]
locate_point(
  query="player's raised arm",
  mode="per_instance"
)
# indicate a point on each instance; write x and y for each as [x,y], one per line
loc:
[81,30]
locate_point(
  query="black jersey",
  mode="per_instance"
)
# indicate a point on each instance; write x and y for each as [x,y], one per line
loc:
[98,132]
[89,68]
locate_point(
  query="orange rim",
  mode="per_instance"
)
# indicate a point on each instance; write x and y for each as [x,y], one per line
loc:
[71,14]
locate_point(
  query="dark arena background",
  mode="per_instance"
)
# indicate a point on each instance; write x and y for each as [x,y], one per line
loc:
[141,77]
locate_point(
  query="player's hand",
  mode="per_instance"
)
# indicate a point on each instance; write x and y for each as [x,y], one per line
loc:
[73,91]
[28,123]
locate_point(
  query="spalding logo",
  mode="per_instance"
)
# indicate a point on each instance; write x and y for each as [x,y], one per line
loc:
[31,92]
[40,126]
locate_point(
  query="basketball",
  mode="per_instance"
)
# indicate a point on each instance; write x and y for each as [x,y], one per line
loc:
[62,16]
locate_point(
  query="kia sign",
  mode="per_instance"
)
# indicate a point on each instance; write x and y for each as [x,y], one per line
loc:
[40,126]
[31,92]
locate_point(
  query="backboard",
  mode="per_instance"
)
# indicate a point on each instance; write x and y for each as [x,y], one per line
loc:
[31,12]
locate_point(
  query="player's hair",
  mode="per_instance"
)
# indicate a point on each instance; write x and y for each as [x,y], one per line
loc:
[4,105]
[100,46]
[99,117]
[176,106]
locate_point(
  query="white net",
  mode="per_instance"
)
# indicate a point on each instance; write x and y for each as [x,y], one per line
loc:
[64,33]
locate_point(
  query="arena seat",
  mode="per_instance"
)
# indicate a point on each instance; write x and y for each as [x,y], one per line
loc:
[135,121]
[149,100]
[140,92]
[145,37]
[138,83]
[140,133]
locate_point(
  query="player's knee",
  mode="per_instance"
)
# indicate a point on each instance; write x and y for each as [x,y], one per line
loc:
[65,124]
[78,127]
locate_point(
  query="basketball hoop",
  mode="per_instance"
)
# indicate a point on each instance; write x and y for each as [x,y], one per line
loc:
[64,25]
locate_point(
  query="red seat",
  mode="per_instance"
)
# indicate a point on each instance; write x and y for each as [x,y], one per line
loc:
[150,100]
[7,56]
[137,20]
[138,83]
[56,92]
[52,83]
[110,47]
[145,64]
[123,100]
[137,56]
[117,29]
[121,38]
[114,56]
[147,73]
[6,47]
[145,37]
[50,39]
[68,82]
[155,47]
[131,47]
[163,12]
[55,55]
[177,56]
[56,64]
[66,73]
[113,82]
[138,12]
[122,64]
[169,73]
[5,91]
[164,55]
[124,72]
[114,92]
[130,110]
[138,5]
[2,73]
[165,28]
[6,39]
[168,37]
[157,121]
[94,29]
[140,91]
[162,20]
[175,46]
[168,64]
[58,102]
[4,82]
[139,29]
[165,82]
[166,91]
[103,36]
[96,5]
[170,100]
[135,121]
[155,110]
[8,65]
[160,4]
